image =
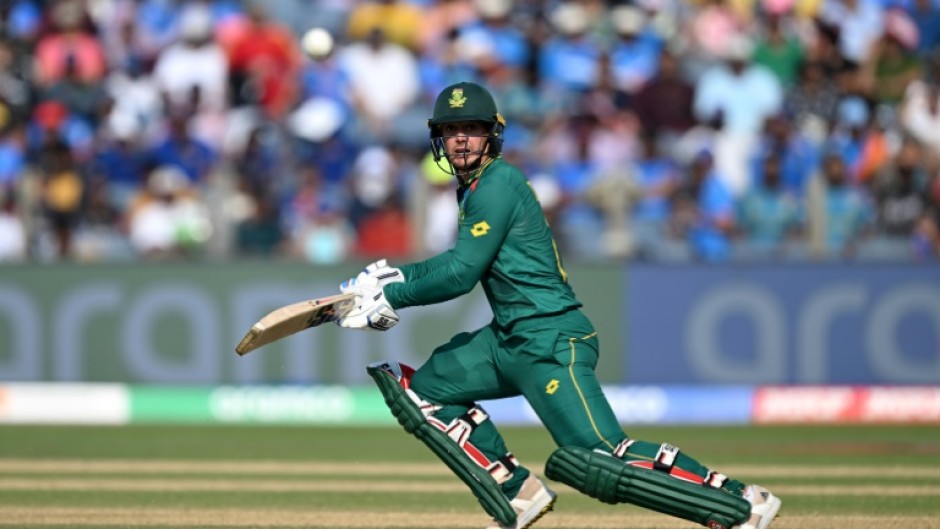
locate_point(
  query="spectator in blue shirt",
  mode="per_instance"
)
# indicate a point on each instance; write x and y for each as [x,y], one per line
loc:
[796,155]
[52,121]
[121,166]
[509,44]
[847,211]
[449,62]
[856,139]
[569,61]
[322,76]
[181,149]
[926,15]
[24,19]
[657,178]
[12,161]
[703,211]
[768,217]
[156,24]
[576,169]
[634,56]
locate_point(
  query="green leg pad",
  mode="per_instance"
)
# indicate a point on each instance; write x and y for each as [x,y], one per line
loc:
[483,486]
[611,480]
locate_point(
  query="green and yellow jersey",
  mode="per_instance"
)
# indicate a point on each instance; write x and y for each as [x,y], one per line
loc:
[503,242]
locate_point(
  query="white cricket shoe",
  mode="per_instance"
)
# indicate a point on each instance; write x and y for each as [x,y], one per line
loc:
[764,507]
[533,501]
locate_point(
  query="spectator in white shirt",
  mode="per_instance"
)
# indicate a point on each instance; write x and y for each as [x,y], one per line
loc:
[12,230]
[736,97]
[169,219]
[384,81]
[920,115]
[860,24]
[196,60]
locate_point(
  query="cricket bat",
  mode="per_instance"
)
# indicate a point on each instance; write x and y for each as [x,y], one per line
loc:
[293,318]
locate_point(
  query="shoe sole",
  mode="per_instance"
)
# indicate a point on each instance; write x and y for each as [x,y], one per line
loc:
[542,512]
[523,523]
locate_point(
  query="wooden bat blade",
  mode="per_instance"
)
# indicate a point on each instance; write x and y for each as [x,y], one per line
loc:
[293,318]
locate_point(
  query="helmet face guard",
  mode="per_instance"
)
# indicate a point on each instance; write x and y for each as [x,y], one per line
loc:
[466,102]
[492,148]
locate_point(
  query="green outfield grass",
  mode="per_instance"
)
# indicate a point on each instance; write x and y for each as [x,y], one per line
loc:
[222,476]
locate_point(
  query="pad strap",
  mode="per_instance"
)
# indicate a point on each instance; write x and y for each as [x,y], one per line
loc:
[665,458]
[502,468]
[621,449]
[715,480]
[460,428]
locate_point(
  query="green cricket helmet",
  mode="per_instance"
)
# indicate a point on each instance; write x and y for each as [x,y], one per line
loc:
[466,101]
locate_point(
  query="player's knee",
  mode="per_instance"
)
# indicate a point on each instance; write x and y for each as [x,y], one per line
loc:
[426,385]
[419,383]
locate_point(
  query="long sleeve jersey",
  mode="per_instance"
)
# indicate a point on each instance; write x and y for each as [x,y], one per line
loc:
[503,242]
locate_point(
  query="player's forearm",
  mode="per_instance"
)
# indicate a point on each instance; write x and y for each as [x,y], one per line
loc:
[415,271]
[443,283]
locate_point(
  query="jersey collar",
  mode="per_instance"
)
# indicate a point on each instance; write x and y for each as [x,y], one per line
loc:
[475,174]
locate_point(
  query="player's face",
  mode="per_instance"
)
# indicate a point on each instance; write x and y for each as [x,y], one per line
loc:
[464,142]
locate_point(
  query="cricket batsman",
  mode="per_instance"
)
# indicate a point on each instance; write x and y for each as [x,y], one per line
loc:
[539,345]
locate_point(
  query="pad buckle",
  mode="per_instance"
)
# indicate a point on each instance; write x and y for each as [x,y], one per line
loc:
[665,458]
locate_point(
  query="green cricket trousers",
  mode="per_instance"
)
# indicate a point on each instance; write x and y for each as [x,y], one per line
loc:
[550,361]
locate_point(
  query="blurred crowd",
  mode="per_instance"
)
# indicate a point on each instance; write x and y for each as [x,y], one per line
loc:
[651,130]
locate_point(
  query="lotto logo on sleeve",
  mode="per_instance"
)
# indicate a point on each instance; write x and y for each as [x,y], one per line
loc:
[552,387]
[480,229]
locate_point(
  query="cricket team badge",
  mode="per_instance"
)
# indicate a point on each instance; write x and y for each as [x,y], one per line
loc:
[457,98]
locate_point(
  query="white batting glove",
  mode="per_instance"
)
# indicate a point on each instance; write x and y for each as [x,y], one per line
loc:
[372,310]
[377,273]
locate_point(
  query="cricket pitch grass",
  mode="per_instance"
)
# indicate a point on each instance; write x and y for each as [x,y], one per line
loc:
[213,477]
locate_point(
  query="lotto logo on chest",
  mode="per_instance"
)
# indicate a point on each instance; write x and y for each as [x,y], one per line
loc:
[480,229]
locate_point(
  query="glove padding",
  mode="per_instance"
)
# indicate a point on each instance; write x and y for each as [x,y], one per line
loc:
[372,310]
[377,274]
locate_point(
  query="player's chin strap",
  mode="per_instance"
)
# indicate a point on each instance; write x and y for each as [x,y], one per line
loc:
[449,441]
[660,486]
